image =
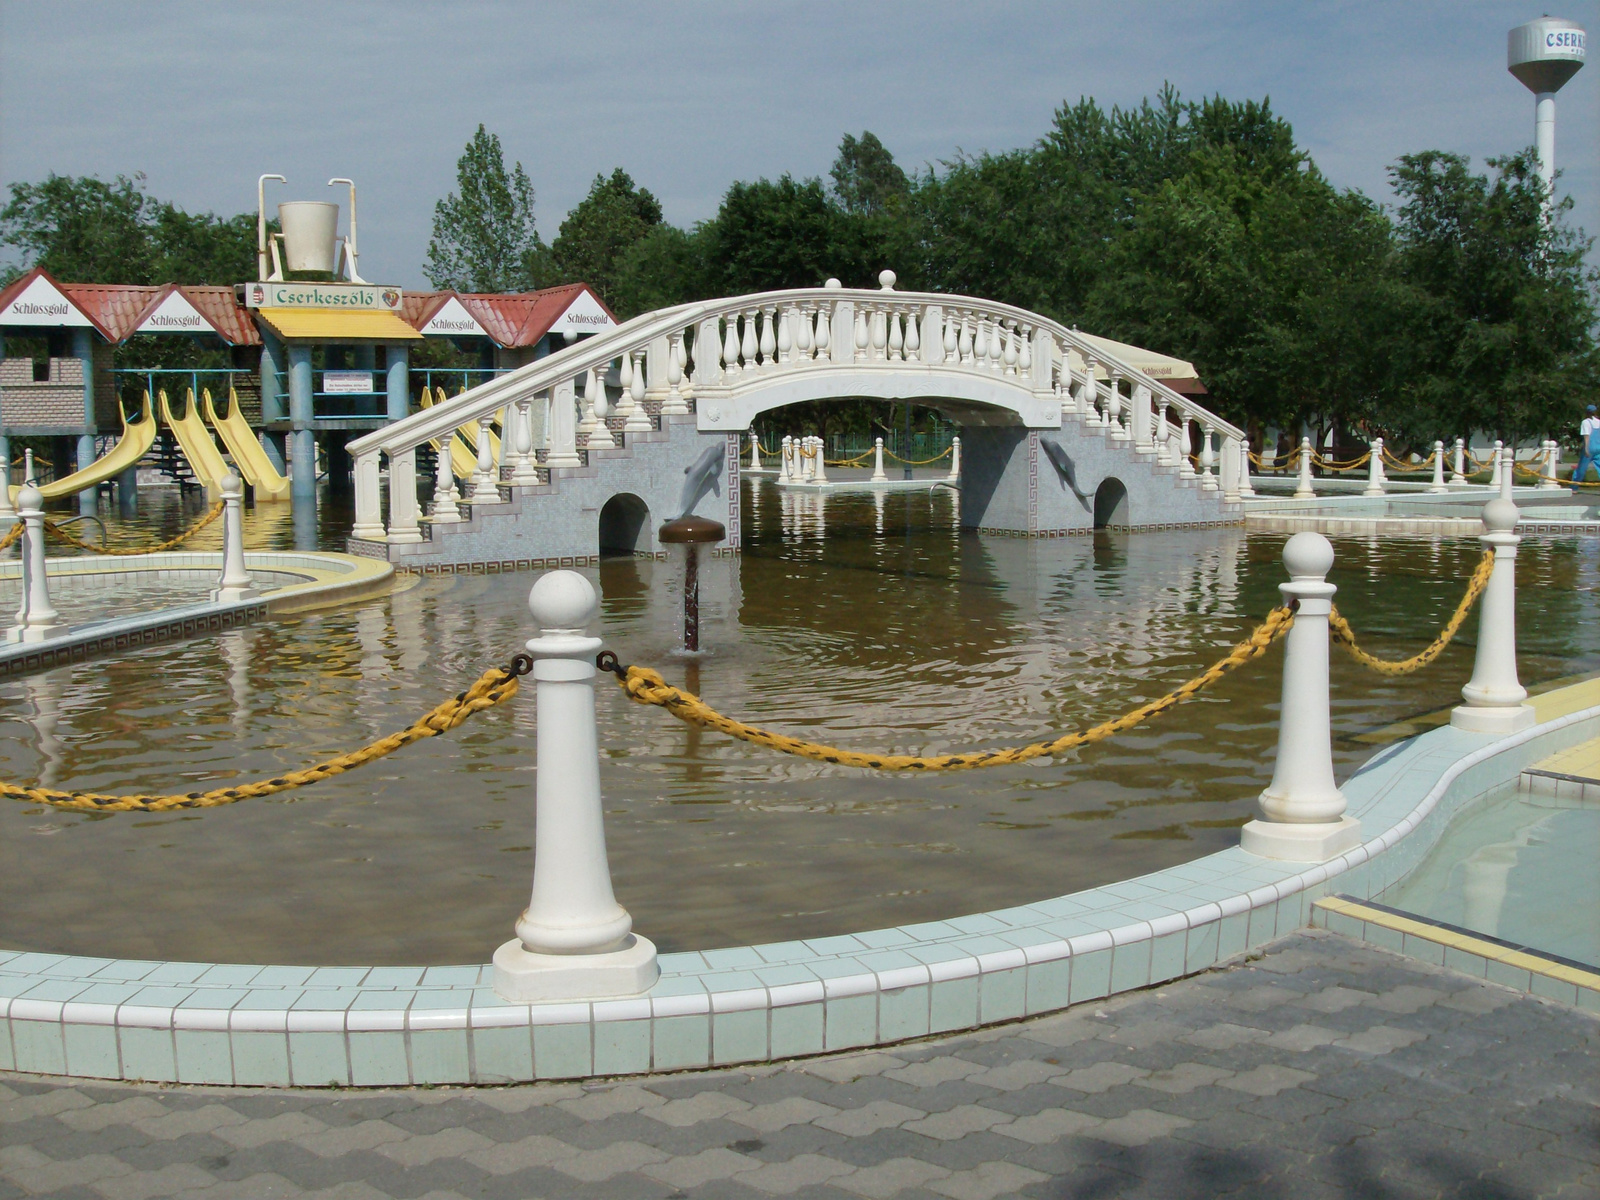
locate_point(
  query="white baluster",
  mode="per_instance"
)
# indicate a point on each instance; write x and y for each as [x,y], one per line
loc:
[955,461]
[952,351]
[594,393]
[1458,476]
[1163,438]
[824,337]
[443,510]
[878,475]
[1374,468]
[768,343]
[574,941]
[730,345]
[1494,696]
[485,485]
[967,343]
[786,321]
[1009,354]
[748,344]
[674,405]
[526,473]
[1208,459]
[624,388]
[802,334]
[913,337]
[1025,351]
[1114,409]
[880,334]
[897,340]
[1438,484]
[588,419]
[639,420]
[1303,816]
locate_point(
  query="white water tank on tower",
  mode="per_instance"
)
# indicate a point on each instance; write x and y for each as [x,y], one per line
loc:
[1543,55]
[310,234]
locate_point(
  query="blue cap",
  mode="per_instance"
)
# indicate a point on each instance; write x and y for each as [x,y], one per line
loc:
[1591,408]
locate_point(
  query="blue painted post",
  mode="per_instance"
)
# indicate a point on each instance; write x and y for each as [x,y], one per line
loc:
[83,349]
[273,368]
[399,383]
[302,441]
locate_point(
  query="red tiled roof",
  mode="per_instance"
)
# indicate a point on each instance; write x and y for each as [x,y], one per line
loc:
[219,306]
[417,308]
[523,318]
[91,309]
[114,307]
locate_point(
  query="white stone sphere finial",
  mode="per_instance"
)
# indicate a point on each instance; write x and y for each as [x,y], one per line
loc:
[30,498]
[1499,515]
[833,285]
[562,601]
[232,484]
[1308,556]
[886,280]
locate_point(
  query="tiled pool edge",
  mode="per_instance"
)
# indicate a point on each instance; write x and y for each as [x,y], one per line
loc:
[355,1026]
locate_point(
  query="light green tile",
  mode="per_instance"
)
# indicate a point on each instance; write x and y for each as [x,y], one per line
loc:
[562,1051]
[1002,995]
[1167,956]
[954,1005]
[318,1059]
[1091,975]
[38,1047]
[1465,961]
[1233,933]
[378,1058]
[621,1047]
[1342,923]
[1048,984]
[739,1036]
[1130,966]
[1263,924]
[1589,999]
[204,1056]
[1554,989]
[796,1030]
[147,1054]
[1200,948]
[439,1056]
[681,1042]
[1423,949]
[92,1050]
[1507,975]
[502,1054]
[903,1013]
[260,1059]
[1384,937]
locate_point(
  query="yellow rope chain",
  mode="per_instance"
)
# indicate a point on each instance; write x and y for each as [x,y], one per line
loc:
[493,686]
[917,462]
[647,687]
[1346,637]
[61,534]
[12,534]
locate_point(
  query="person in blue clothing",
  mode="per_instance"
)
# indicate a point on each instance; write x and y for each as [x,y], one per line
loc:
[1588,448]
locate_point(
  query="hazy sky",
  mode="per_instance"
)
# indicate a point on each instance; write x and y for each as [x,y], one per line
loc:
[203,97]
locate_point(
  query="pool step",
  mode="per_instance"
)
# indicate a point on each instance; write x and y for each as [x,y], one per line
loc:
[1571,778]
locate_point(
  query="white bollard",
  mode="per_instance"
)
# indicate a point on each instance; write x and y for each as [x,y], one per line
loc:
[1508,467]
[1458,474]
[234,582]
[1246,491]
[37,618]
[955,461]
[574,941]
[1303,489]
[1303,811]
[785,455]
[1548,481]
[1496,464]
[1438,484]
[8,511]
[822,454]
[755,451]
[1375,477]
[1494,696]
[878,475]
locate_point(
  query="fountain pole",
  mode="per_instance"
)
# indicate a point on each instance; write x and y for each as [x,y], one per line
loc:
[691,532]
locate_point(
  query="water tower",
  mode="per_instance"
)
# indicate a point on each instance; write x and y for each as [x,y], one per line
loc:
[1543,55]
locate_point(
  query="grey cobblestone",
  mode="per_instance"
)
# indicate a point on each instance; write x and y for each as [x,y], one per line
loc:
[1324,1068]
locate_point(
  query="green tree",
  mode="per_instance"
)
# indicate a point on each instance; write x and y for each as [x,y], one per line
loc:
[484,238]
[1503,338]
[784,234]
[866,179]
[599,233]
[666,266]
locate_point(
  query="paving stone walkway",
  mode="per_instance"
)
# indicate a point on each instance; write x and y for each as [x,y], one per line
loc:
[1323,1068]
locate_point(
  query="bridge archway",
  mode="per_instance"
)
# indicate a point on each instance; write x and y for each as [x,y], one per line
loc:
[1111,504]
[624,525]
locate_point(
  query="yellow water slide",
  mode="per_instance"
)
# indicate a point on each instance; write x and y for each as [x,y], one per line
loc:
[463,450]
[246,449]
[194,439]
[135,442]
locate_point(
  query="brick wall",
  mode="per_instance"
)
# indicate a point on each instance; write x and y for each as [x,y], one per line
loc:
[58,403]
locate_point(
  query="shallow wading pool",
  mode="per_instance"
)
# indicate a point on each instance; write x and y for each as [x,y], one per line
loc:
[867,621]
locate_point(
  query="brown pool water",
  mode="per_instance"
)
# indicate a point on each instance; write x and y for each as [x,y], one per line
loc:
[866,621]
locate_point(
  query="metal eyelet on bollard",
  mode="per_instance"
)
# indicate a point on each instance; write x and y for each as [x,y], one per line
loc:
[574,941]
[1303,811]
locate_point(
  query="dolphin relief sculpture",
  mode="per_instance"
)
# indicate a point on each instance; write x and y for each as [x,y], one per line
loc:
[702,476]
[1057,454]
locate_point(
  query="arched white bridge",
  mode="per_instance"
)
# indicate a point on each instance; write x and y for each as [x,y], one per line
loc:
[1046,416]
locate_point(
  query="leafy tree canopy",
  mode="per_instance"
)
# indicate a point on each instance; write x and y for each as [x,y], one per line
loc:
[484,239]
[598,234]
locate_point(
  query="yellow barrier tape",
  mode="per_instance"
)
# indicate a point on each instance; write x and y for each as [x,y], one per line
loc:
[647,687]
[493,687]
[1346,637]
[61,534]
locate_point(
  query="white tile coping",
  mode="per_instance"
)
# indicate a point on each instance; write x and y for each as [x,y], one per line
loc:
[279,1025]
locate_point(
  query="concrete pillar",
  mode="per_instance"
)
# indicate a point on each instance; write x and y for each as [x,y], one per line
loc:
[302,441]
[398,382]
[1303,811]
[574,941]
[234,582]
[7,512]
[274,407]
[37,618]
[1494,696]
[83,349]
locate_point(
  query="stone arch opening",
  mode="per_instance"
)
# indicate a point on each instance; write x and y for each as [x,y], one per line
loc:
[1111,504]
[625,525]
